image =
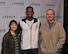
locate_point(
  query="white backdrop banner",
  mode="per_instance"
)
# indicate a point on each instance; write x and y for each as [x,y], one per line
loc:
[15,9]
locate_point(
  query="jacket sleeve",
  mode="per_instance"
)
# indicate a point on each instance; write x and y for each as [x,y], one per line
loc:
[19,31]
[5,45]
[61,37]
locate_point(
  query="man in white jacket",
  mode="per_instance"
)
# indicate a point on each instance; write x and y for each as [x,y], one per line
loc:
[29,29]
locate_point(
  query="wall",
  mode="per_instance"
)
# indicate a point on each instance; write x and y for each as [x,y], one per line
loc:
[15,9]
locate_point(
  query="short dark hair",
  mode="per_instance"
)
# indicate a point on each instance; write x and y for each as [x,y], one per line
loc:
[29,7]
[12,21]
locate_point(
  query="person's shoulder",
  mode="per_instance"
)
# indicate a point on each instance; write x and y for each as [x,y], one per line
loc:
[23,19]
[58,23]
[43,24]
[6,35]
[36,19]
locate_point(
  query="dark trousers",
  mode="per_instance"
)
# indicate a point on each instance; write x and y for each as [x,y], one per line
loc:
[29,51]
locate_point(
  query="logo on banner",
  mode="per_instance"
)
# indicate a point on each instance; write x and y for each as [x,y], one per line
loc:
[51,5]
[2,30]
[41,16]
[22,17]
[1,2]
[17,3]
[35,4]
[8,17]
[45,16]
[58,17]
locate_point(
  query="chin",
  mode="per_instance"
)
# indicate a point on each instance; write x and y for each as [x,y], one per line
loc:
[14,30]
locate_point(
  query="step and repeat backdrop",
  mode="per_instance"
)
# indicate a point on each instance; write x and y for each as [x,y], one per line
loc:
[15,9]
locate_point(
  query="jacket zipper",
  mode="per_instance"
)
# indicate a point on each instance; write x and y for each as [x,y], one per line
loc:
[30,36]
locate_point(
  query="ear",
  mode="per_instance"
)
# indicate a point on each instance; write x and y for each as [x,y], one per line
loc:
[33,12]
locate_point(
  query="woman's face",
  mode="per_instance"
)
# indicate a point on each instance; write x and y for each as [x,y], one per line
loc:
[13,26]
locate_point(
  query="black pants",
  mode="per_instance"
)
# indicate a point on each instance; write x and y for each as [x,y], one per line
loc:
[29,51]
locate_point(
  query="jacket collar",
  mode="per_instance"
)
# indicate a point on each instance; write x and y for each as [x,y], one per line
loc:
[47,24]
[35,20]
[10,33]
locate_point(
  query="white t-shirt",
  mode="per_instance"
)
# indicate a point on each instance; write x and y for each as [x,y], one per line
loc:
[30,23]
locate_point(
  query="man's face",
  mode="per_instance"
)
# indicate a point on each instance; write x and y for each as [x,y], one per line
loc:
[50,15]
[29,12]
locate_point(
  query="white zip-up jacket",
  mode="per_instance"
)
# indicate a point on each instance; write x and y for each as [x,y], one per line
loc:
[29,36]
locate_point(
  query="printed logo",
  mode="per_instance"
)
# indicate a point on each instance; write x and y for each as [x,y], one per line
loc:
[8,17]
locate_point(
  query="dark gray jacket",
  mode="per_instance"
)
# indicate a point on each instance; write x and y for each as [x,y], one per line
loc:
[8,44]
